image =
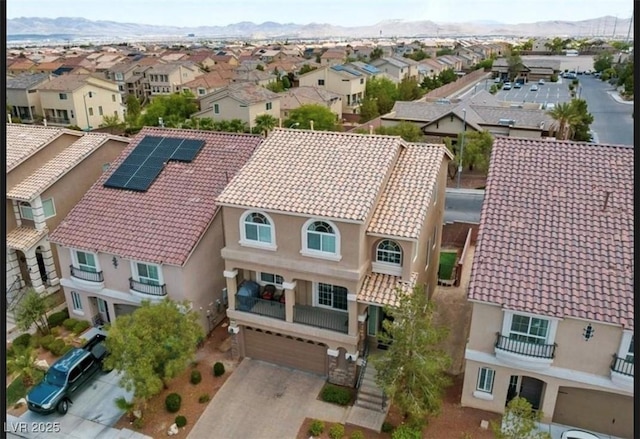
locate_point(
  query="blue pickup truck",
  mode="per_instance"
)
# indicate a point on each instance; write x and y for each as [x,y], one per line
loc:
[66,376]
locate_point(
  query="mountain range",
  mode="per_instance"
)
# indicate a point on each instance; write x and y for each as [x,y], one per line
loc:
[81,27]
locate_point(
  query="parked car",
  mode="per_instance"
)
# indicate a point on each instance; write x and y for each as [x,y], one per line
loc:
[497,80]
[506,86]
[534,87]
[541,81]
[66,376]
[578,434]
[517,85]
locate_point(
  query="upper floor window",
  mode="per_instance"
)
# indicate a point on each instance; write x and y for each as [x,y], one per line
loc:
[529,329]
[320,81]
[25,211]
[147,273]
[389,251]
[321,239]
[331,296]
[48,208]
[269,106]
[257,229]
[85,261]
[216,108]
[63,96]
[271,278]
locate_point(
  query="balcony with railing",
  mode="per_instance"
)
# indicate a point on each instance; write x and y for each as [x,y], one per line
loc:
[524,353]
[147,290]
[263,307]
[321,318]
[58,120]
[86,275]
[622,371]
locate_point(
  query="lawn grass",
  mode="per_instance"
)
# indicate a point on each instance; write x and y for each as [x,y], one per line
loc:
[447,261]
[17,390]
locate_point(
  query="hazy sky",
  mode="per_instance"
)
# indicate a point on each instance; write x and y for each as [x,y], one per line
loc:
[337,12]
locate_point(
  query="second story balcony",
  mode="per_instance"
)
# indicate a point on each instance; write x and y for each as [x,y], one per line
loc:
[86,275]
[524,353]
[622,371]
[147,290]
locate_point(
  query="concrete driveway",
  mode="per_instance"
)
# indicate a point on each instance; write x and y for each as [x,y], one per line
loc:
[262,400]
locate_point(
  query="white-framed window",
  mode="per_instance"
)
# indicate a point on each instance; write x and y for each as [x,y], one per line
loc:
[321,238]
[629,356]
[25,211]
[202,91]
[85,261]
[529,329]
[76,301]
[149,274]
[49,208]
[625,350]
[331,296]
[216,108]
[90,111]
[271,279]
[257,229]
[389,252]
[485,380]
[269,106]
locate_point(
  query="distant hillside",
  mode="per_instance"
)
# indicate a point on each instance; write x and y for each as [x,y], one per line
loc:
[81,27]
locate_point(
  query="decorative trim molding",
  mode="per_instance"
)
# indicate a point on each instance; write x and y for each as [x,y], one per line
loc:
[332,352]
[352,297]
[233,329]
[289,285]
[483,395]
[363,317]
[230,274]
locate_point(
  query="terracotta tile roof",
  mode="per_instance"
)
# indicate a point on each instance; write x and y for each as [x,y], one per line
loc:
[209,81]
[23,238]
[547,244]
[298,96]
[54,169]
[163,224]
[246,93]
[382,289]
[404,204]
[24,140]
[316,173]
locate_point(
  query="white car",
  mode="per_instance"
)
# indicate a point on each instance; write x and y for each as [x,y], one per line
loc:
[578,434]
[541,81]
[534,87]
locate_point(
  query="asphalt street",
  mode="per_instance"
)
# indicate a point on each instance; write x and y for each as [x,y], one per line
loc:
[463,205]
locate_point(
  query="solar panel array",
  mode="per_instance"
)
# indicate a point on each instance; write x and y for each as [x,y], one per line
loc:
[144,163]
[341,68]
[369,68]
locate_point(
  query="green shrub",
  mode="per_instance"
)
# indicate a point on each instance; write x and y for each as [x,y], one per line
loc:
[336,395]
[138,423]
[316,428]
[181,421]
[196,377]
[57,347]
[57,318]
[218,369]
[387,427]
[357,435]
[204,398]
[406,432]
[46,341]
[81,326]
[336,431]
[55,331]
[22,341]
[66,349]
[69,324]
[173,402]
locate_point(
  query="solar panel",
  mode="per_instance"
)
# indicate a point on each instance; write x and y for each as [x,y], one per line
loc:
[148,171]
[117,180]
[139,184]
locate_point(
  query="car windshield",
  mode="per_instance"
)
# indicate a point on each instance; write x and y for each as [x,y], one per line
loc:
[55,377]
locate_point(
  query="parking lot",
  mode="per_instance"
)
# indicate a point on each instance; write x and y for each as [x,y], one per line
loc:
[549,92]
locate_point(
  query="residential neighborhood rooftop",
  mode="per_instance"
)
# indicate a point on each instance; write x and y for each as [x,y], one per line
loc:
[556,230]
[25,80]
[382,289]
[246,92]
[25,140]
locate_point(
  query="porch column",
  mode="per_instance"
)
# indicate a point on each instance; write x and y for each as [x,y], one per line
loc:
[232,287]
[34,271]
[13,268]
[49,265]
[549,398]
[38,213]
[234,330]
[16,213]
[352,308]
[362,331]
[289,299]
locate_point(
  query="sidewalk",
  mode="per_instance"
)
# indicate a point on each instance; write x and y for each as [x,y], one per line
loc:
[616,97]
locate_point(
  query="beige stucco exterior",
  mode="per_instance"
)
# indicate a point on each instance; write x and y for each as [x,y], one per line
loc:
[28,101]
[230,108]
[163,81]
[351,89]
[577,364]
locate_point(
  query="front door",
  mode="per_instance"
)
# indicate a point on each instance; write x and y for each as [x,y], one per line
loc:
[526,387]
[41,267]
[103,310]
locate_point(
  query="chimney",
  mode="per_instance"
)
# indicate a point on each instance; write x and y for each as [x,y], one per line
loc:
[311,124]
[370,129]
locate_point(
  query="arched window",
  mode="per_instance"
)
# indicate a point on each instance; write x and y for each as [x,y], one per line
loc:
[257,229]
[389,252]
[321,238]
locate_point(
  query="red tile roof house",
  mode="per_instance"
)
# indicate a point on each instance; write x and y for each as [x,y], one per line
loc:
[552,285]
[118,246]
[326,225]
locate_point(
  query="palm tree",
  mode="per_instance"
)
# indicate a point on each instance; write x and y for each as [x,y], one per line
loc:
[264,123]
[22,362]
[566,118]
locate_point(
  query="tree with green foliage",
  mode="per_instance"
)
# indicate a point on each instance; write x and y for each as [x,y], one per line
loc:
[407,130]
[409,90]
[151,346]
[368,109]
[275,86]
[528,45]
[32,310]
[133,110]
[447,76]
[476,154]
[323,118]
[22,362]
[430,83]
[584,120]
[602,61]
[286,84]
[565,119]
[260,67]
[444,51]
[112,122]
[376,53]
[620,45]
[412,371]
[306,68]
[519,421]
[264,123]
[179,105]
[514,64]
[418,55]
[383,91]
[485,64]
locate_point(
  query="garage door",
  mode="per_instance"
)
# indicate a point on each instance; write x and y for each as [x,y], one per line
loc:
[285,350]
[593,410]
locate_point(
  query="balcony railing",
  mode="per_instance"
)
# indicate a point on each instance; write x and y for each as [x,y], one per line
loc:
[91,276]
[525,348]
[58,120]
[321,318]
[255,305]
[152,290]
[622,366]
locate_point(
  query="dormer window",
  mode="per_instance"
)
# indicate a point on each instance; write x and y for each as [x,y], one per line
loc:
[388,258]
[256,229]
[321,239]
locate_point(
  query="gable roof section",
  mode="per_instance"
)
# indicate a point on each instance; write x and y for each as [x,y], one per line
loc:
[547,244]
[404,204]
[71,82]
[163,224]
[319,173]
[25,140]
[244,92]
[25,81]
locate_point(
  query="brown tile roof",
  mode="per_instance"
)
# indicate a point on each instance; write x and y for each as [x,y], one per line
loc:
[209,81]
[23,238]
[382,289]
[22,64]
[316,173]
[163,224]
[298,96]
[51,171]
[547,244]
[25,140]
[49,66]
[404,204]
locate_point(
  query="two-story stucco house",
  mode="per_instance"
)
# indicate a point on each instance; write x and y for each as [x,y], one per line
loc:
[397,69]
[150,228]
[168,78]
[552,285]
[22,95]
[48,171]
[244,101]
[349,83]
[320,230]
[80,99]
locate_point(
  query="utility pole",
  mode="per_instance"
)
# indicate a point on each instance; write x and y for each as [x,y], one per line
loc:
[615,23]
[629,31]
